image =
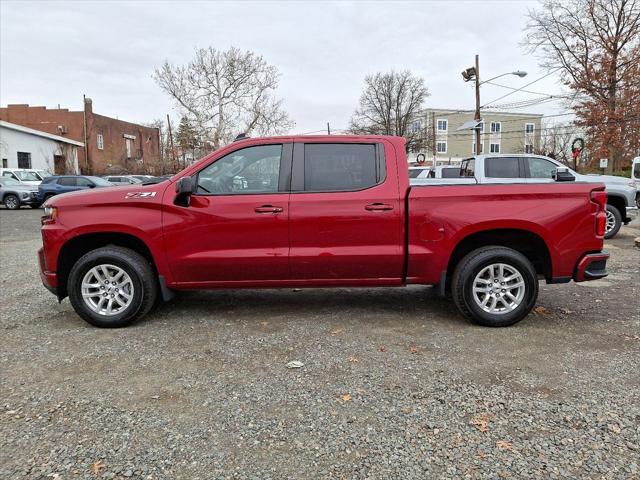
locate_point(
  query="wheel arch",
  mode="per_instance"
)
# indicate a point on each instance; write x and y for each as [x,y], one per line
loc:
[528,243]
[617,201]
[79,245]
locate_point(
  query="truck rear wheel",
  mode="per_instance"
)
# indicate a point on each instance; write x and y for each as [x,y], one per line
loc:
[614,221]
[112,287]
[495,286]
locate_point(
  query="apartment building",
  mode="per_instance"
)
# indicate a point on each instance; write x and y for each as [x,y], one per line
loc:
[500,132]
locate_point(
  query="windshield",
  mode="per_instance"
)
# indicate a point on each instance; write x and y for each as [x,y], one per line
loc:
[26,176]
[100,182]
[42,174]
[8,182]
[636,170]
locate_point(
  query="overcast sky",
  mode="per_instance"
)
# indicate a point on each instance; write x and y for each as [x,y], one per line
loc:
[54,52]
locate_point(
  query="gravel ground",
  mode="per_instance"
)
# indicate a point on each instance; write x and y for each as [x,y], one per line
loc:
[395,384]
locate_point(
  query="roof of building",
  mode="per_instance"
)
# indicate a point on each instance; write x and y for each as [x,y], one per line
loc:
[31,131]
[485,111]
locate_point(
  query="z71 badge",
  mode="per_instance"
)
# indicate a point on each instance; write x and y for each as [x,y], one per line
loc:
[140,194]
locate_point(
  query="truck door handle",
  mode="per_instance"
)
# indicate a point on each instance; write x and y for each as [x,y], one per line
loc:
[378,207]
[268,209]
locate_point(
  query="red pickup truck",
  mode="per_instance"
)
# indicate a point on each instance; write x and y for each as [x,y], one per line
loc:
[326,211]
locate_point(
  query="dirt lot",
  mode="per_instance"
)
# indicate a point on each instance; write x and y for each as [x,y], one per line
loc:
[395,383]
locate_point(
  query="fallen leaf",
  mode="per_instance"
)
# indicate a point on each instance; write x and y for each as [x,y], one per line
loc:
[336,332]
[504,445]
[295,364]
[264,324]
[346,397]
[542,310]
[481,422]
[407,410]
[382,348]
[413,349]
[97,467]
[353,359]
[566,311]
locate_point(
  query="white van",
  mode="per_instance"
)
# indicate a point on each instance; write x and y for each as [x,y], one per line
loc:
[22,175]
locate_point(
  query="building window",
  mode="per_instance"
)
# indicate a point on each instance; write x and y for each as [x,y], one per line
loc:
[494,148]
[529,127]
[100,139]
[496,127]
[127,142]
[528,148]
[443,125]
[5,163]
[473,148]
[24,160]
[441,147]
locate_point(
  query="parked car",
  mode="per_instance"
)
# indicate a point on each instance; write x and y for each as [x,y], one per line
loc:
[56,184]
[142,178]
[525,168]
[41,174]
[122,179]
[635,176]
[14,194]
[22,175]
[337,212]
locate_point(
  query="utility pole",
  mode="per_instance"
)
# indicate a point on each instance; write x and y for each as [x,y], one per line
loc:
[477,117]
[84,128]
[328,129]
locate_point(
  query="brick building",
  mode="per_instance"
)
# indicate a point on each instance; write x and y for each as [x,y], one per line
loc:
[112,145]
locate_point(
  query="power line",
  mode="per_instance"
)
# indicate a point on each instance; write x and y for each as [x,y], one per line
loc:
[521,88]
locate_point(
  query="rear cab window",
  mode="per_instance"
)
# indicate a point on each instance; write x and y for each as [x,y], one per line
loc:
[468,167]
[67,181]
[502,167]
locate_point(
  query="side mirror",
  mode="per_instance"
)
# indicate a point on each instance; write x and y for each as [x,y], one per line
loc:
[92,185]
[184,186]
[562,174]
[184,189]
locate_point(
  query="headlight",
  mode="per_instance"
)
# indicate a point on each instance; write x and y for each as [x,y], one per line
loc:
[50,215]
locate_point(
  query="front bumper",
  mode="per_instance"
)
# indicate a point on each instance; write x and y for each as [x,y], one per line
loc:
[592,266]
[49,279]
[631,212]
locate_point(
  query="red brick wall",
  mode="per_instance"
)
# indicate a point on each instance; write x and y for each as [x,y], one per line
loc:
[145,149]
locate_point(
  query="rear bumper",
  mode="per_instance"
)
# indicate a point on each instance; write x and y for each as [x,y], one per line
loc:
[49,279]
[592,266]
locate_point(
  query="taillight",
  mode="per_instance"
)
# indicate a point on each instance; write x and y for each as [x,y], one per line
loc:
[599,197]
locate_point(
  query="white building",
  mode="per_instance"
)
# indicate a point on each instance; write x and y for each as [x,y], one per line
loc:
[22,147]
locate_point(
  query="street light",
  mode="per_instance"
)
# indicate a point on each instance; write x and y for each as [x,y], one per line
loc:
[473,73]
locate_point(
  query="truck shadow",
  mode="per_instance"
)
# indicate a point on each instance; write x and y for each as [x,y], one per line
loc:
[413,303]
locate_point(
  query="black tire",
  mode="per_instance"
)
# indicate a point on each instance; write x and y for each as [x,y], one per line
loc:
[145,287]
[34,206]
[47,197]
[11,201]
[613,211]
[472,264]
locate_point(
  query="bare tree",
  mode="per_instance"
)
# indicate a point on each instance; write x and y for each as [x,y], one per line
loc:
[224,93]
[391,104]
[555,142]
[595,45]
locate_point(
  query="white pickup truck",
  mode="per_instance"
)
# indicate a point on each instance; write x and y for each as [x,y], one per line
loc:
[526,168]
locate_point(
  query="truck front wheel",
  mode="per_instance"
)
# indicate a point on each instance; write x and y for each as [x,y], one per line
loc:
[112,287]
[495,286]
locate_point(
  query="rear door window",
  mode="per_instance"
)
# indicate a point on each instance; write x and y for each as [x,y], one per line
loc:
[331,167]
[84,182]
[502,167]
[67,182]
